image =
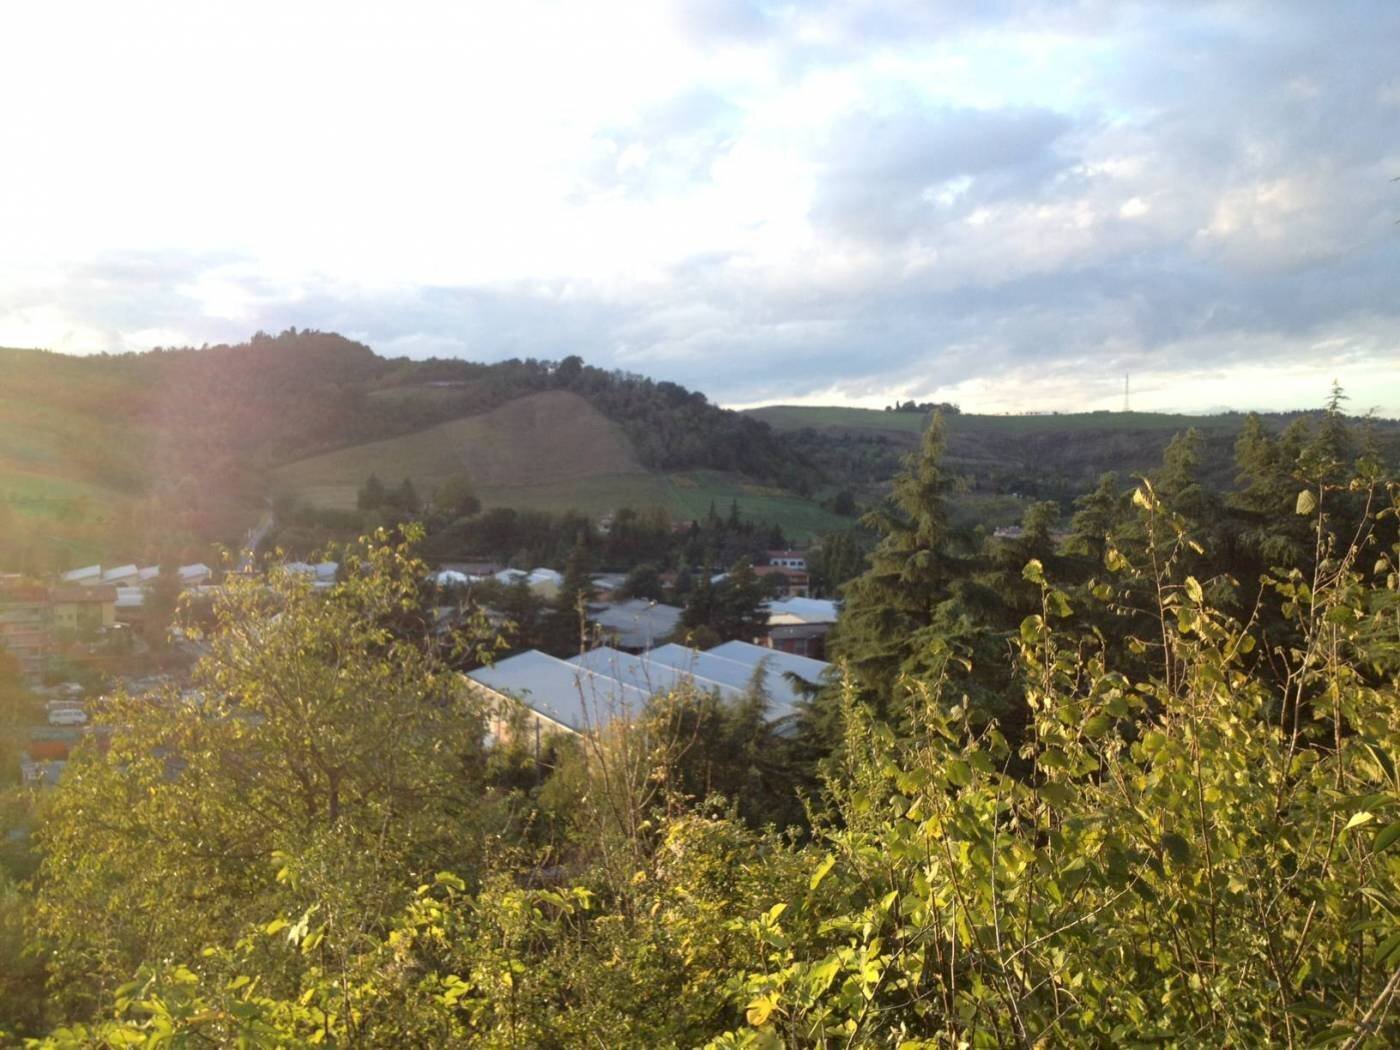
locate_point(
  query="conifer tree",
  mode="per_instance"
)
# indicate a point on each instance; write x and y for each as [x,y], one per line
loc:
[886,626]
[741,604]
[567,615]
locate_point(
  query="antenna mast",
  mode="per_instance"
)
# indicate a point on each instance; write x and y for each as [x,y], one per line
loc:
[1125,392]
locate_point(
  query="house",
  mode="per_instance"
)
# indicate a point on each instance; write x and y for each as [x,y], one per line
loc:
[448,578]
[322,574]
[130,605]
[634,624]
[545,582]
[606,584]
[788,559]
[83,610]
[800,625]
[786,581]
[476,568]
[803,668]
[557,696]
[802,610]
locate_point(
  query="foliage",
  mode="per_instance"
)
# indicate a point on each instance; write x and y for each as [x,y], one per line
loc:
[733,608]
[322,737]
[1184,830]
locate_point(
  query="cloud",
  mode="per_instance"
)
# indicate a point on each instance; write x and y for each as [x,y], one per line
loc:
[766,201]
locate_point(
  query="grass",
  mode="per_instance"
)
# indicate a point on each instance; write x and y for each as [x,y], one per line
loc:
[549,451]
[685,496]
[554,439]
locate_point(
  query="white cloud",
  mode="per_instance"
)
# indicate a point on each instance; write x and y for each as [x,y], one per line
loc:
[839,198]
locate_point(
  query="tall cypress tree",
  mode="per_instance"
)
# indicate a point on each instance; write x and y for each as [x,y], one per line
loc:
[887,624]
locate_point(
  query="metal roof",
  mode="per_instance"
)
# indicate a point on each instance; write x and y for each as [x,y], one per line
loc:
[572,696]
[649,675]
[803,666]
[592,688]
[739,673]
[636,623]
[802,610]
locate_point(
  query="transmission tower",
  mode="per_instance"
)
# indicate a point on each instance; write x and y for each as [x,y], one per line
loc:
[1125,392]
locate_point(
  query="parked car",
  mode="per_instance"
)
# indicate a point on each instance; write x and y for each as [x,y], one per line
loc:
[67,716]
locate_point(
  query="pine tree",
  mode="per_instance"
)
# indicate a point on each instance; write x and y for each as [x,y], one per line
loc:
[886,626]
[371,496]
[741,604]
[405,497]
[565,625]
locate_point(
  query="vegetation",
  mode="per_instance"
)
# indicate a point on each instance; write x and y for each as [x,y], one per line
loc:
[1047,456]
[1127,781]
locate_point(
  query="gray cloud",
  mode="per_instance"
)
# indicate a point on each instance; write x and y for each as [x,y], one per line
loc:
[1215,192]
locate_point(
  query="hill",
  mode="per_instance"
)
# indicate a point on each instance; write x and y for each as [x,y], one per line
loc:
[1046,456]
[548,439]
[551,451]
[159,454]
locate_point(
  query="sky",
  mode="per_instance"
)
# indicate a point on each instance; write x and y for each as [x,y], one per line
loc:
[1006,205]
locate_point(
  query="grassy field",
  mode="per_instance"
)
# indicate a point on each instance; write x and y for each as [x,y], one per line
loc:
[541,441]
[685,496]
[549,451]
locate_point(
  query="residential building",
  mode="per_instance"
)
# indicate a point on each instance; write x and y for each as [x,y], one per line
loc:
[83,611]
[788,582]
[25,624]
[86,576]
[788,559]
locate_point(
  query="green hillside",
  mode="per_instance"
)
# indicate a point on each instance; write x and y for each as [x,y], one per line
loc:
[160,454]
[540,441]
[550,451]
[1017,458]
[837,417]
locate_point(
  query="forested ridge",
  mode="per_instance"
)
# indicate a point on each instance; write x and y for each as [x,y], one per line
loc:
[1132,786]
[287,396]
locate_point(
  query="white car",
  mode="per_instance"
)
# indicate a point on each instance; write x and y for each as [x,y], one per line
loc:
[67,716]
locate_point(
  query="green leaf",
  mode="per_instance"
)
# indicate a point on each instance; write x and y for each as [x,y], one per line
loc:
[1387,948]
[1357,819]
[1193,590]
[1097,726]
[1034,572]
[1307,502]
[1176,847]
[1386,837]
[959,773]
[822,869]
